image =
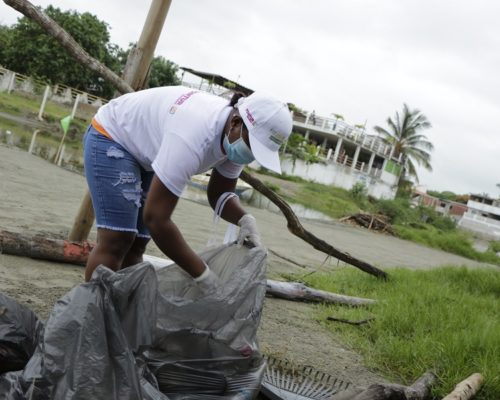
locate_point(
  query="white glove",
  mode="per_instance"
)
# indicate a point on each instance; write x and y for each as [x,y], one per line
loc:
[208,282]
[248,230]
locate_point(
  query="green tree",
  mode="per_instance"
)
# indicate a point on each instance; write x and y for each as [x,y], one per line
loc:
[163,73]
[5,33]
[37,54]
[404,133]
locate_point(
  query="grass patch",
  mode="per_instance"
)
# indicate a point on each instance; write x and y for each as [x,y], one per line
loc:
[28,105]
[330,200]
[452,241]
[494,246]
[444,319]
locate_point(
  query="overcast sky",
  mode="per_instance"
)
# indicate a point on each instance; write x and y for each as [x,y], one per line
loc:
[361,59]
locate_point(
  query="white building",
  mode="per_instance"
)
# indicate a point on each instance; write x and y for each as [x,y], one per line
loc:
[349,155]
[482,216]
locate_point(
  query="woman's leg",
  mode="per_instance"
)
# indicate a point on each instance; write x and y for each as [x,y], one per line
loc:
[138,248]
[136,251]
[111,250]
[114,180]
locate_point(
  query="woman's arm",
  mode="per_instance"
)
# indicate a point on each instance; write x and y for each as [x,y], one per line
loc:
[160,204]
[233,212]
[218,184]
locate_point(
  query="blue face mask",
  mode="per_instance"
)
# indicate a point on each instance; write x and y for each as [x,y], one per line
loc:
[238,151]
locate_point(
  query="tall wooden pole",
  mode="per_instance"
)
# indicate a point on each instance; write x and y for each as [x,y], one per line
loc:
[135,74]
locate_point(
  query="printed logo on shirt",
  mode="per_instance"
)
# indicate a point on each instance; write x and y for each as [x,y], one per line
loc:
[250,117]
[184,97]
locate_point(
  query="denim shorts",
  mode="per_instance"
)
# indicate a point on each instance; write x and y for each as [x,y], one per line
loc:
[118,184]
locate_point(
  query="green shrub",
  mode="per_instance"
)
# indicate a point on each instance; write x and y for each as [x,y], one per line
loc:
[398,211]
[359,191]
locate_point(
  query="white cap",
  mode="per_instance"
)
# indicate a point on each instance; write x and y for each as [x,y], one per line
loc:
[269,124]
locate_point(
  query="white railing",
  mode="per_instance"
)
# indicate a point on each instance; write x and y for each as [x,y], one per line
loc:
[10,80]
[343,129]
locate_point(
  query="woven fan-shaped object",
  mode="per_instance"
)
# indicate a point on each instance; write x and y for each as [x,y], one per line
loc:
[282,381]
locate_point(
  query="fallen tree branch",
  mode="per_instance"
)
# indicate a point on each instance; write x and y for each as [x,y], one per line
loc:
[347,321]
[300,292]
[466,389]
[67,41]
[293,223]
[295,227]
[376,222]
[420,390]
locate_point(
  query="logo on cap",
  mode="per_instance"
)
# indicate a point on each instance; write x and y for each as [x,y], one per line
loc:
[250,116]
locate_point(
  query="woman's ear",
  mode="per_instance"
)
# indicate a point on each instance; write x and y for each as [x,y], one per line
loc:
[236,121]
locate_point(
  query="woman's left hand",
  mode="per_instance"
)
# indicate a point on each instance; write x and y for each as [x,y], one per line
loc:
[248,230]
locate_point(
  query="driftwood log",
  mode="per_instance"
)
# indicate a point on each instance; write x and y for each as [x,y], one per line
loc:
[466,389]
[294,225]
[41,247]
[420,390]
[60,250]
[375,222]
[298,291]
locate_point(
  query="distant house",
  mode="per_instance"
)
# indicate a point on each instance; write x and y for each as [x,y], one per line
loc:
[482,216]
[446,207]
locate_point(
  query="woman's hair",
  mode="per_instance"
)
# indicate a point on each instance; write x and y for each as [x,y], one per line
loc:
[235,98]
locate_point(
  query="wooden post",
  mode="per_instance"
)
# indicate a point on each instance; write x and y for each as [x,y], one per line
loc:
[44,101]
[75,106]
[139,59]
[136,72]
[59,149]
[61,155]
[33,140]
[83,221]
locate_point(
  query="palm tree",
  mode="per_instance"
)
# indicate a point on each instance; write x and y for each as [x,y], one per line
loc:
[404,134]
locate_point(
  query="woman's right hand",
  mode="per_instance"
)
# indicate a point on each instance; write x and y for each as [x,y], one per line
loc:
[208,281]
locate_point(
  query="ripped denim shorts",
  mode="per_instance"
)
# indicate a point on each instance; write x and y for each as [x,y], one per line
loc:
[117,183]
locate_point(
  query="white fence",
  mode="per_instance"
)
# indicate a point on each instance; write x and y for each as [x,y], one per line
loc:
[12,81]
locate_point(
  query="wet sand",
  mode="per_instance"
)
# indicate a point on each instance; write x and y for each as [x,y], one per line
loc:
[36,196]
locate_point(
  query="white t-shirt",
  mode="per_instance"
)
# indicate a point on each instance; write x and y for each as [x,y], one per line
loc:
[174,131]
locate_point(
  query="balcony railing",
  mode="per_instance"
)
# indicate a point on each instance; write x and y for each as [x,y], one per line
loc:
[349,132]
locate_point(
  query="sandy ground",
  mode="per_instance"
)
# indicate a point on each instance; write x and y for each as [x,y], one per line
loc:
[36,196]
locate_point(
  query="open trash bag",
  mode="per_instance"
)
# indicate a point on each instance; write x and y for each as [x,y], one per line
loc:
[146,333]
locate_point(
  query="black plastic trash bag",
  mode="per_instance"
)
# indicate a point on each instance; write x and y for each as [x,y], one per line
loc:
[19,333]
[87,349]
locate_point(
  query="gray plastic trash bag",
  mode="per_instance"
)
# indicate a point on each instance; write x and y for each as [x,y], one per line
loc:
[126,335]
[206,345]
